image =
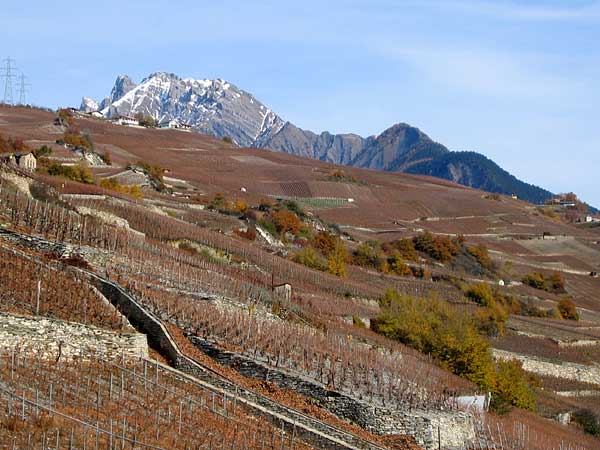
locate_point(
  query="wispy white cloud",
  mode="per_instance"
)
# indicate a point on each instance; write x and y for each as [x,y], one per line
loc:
[488,73]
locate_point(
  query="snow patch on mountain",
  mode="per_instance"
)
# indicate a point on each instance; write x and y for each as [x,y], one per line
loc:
[88,105]
[215,107]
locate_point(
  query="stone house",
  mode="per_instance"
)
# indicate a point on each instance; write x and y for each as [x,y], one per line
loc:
[284,291]
[24,160]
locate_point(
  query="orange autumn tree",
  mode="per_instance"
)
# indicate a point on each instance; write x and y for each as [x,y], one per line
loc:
[286,222]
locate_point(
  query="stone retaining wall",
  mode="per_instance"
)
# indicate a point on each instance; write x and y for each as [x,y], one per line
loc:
[565,370]
[54,337]
[158,336]
[455,427]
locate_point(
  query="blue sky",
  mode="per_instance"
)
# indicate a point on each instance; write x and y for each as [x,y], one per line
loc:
[514,80]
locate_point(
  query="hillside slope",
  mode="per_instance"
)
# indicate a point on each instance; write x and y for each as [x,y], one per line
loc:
[188,254]
[221,109]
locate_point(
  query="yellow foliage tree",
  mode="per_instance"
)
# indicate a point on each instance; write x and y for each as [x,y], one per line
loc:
[336,263]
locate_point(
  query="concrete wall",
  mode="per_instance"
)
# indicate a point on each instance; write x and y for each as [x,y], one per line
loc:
[52,337]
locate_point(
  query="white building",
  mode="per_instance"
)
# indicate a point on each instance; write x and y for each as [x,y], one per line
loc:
[171,123]
[174,124]
[126,120]
[284,291]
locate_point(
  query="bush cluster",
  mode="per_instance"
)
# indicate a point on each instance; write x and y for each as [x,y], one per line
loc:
[79,173]
[112,184]
[482,255]
[325,252]
[75,139]
[440,248]
[567,309]
[341,176]
[389,257]
[155,172]
[554,283]
[453,337]
[588,421]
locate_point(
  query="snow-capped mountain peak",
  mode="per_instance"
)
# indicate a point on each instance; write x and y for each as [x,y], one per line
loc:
[88,105]
[214,107]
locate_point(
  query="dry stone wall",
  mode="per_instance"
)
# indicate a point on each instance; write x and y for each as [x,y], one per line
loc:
[448,429]
[51,338]
[565,370]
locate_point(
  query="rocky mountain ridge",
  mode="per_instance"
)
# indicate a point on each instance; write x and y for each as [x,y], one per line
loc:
[219,108]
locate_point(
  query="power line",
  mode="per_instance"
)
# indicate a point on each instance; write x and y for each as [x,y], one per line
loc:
[23,85]
[8,76]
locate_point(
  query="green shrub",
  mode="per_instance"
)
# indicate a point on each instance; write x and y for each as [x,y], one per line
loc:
[309,257]
[42,151]
[396,265]
[435,327]
[481,293]
[512,388]
[357,321]
[588,421]
[535,280]
[294,207]
[268,225]
[406,248]
[452,336]
[368,254]
[79,173]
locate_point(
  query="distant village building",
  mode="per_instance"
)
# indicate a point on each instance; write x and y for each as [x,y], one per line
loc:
[284,291]
[24,160]
[174,125]
[501,283]
[126,120]
[96,115]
